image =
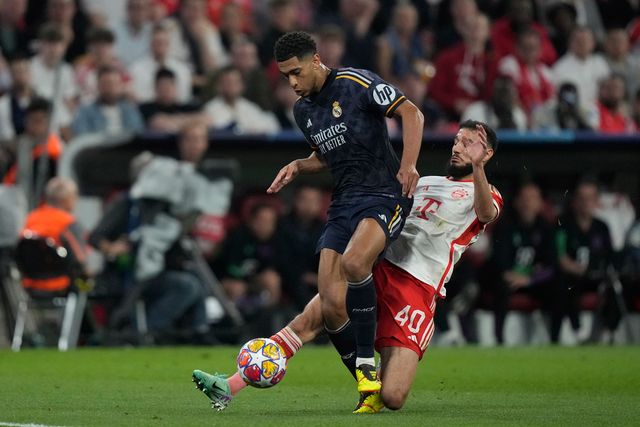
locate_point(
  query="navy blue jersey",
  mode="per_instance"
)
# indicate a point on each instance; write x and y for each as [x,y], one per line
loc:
[345,124]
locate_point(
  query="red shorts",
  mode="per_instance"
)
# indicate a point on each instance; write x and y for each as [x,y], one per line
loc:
[406,307]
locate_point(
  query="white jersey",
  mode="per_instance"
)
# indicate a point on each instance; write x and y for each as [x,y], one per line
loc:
[440,227]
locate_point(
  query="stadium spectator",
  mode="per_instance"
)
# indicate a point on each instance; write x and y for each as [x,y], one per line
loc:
[144,69]
[331,45]
[302,228]
[111,112]
[356,18]
[232,25]
[564,112]
[37,151]
[231,111]
[252,265]
[73,23]
[583,248]
[612,110]
[281,19]
[464,70]
[451,29]
[285,100]
[532,77]
[620,59]
[523,255]
[54,219]
[582,67]
[52,76]
[244,56]
[104,14]
[502,110]
[133,35]
[617,14]
[519,17]
[13,37]
[165,113]
[562,18]
[100,54]
[195,40]
[14,103]
[415,87]
[400,47]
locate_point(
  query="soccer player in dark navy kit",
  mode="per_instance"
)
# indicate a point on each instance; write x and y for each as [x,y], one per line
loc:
[342,115]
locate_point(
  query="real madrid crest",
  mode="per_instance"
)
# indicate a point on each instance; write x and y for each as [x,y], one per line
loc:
[336,110]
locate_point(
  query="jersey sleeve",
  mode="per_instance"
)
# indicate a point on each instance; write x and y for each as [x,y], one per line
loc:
[382,97]
[301,122]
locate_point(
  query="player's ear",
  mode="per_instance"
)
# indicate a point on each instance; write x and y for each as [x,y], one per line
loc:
[489,155]
[315,60]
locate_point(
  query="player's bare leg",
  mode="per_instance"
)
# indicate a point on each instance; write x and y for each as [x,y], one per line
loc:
[398,370]
[305,327]
[364,247]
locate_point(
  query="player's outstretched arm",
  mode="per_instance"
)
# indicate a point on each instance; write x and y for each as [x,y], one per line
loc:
[412,128]
[309,165]
[479,153]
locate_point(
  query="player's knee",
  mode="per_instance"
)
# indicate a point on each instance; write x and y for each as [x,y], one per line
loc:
[355,266]
[394,397]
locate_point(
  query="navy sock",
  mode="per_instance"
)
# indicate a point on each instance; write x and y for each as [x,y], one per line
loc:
[345,343]
[361,308]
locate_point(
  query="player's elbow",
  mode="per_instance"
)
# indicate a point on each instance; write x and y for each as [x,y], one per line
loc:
[394,397]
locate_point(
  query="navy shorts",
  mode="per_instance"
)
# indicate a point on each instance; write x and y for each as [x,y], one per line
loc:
[346,213]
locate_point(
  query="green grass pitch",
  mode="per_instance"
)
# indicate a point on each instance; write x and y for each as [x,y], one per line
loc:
[469,386]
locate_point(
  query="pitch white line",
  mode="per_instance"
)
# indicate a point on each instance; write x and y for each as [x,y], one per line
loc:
[6,424]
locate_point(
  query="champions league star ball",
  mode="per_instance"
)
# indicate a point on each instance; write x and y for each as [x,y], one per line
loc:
[261,363]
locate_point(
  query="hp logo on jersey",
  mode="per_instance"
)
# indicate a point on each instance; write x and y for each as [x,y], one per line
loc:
[383,94]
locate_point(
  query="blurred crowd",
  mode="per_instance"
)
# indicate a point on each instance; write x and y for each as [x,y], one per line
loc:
[70,68]
[155,64]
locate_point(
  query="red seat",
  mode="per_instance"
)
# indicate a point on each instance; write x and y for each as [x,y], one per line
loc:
[524,303]
[589,301]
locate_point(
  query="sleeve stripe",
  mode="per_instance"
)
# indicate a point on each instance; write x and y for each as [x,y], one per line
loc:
[354,74]
[355,79]
[392,106]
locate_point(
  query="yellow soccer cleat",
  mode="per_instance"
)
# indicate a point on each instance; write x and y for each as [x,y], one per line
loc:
[370,403]
[367,379]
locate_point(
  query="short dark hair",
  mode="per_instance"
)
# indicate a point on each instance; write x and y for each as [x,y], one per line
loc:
[38,105]
[294,44]
[492,138]
[165,73]
[50,33]
[100,35]
[107,69]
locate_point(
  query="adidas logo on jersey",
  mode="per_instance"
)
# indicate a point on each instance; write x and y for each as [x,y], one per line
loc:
[308,123]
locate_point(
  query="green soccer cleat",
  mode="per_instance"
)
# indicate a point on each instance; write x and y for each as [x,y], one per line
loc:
[370,403]
[215,387]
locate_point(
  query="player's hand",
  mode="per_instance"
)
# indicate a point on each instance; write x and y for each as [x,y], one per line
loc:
[408,177]
[477,150]
[284,177]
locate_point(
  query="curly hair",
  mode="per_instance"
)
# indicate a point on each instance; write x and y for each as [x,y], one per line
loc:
[295,43]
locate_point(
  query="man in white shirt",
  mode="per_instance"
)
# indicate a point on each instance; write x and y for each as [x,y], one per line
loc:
[448,215]
[144,70]
[133,35]
[230,110]
[581,67]
[52,77]
[111,112]
[14,103]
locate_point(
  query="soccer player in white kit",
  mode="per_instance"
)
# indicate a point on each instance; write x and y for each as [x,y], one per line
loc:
[448,215]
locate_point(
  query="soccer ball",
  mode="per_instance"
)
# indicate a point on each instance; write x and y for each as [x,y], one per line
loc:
[261,363]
